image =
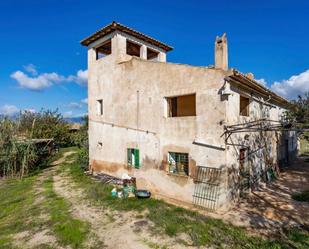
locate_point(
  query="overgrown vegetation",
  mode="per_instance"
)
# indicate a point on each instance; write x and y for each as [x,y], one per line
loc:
[298,114]
[172,220]
[16,157]
[81,140]
[19,153]
[45,124]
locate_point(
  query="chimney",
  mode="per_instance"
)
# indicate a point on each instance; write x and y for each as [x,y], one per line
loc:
[221,60]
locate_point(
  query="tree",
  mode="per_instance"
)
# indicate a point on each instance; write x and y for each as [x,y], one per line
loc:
[45,124]
[298,113]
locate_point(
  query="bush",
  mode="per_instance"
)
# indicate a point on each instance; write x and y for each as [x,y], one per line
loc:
[83,159]
[304,196]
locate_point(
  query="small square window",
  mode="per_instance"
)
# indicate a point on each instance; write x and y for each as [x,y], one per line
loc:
[133,157]
[100,107]
[178,163]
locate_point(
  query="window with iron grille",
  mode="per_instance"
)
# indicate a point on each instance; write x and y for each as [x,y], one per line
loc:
[178,163]
[133,157]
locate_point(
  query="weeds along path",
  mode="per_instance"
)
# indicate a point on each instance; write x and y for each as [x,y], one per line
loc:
[34,216]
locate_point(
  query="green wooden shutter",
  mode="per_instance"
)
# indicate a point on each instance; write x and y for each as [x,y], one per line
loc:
[129,156]
[136,156]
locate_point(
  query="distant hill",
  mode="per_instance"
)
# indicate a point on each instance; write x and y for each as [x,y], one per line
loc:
[78,120]
[15,117]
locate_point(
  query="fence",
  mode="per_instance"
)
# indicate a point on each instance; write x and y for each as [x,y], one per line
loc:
[207,187]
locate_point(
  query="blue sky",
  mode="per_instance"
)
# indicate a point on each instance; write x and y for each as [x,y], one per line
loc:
[41,55]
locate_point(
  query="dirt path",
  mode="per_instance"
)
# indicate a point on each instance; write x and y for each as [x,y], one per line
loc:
[39,237]
[272,206]
[63,158]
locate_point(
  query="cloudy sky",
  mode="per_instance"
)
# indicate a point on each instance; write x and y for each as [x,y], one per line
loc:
[43,65]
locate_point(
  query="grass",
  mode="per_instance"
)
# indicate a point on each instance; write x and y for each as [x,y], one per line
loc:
[173,221]
[16,198]
[69,231]
[304,147]
[303,196]
[153,245]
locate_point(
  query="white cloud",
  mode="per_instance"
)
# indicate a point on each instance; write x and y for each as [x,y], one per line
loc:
[38,82]
[84,101]
[262,81]
[81,77]
[294,86]
[75,105]
[9,110]
[30,68]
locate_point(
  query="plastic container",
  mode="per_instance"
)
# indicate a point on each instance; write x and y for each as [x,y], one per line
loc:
[142,194]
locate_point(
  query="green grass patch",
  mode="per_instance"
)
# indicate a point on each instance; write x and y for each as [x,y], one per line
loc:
[153,245]
[303,196]
[16,198]
[172,220]
[69,231]
[304,147]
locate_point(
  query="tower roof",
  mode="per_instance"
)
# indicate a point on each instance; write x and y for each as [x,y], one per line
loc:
[114,26]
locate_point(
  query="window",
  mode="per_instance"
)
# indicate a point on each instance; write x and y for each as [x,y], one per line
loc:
[152,55]
[100,107]
[181,106]
[104,49]
[178,163]
[133,49]
[133,157]
[244,106]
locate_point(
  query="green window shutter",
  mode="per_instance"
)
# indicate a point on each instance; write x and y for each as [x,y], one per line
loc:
[129,156]
[136,156]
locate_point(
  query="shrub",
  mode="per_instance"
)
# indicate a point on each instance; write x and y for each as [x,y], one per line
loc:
[304,196]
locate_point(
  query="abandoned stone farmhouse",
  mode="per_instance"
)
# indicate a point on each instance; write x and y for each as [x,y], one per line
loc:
[202,135]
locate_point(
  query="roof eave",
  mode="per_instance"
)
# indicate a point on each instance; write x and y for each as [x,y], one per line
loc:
[117,26]
[254,85]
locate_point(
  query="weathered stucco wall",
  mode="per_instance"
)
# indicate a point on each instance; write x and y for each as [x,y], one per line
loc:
[133,93]
[135,116]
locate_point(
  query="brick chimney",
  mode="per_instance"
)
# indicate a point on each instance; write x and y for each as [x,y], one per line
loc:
[221,54]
